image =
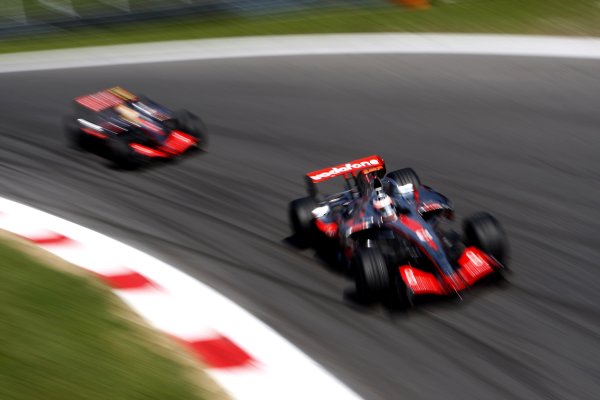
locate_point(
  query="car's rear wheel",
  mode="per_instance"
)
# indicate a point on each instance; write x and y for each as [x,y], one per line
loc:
[192,125]
[483,231]
[75,137]
[405,176]
[302,219]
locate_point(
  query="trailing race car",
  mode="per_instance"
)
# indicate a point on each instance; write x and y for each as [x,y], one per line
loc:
[390,231]
[132,129]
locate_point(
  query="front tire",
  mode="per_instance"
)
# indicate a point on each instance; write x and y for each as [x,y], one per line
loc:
[372,274]
[483,231]
[123,155]
[193,125]
[405,176]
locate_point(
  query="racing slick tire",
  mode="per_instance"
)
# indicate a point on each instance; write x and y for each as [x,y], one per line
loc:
[302,220]
[483,231]
[405,176]
[372,275]
[193,125]
[401,298]
[375,280]
[123,155]
[75,137]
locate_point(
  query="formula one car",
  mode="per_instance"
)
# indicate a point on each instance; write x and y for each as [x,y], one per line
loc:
[132,129]
[392,233]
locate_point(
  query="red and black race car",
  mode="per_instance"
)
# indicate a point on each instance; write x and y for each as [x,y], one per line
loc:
[393,234]
[132,129]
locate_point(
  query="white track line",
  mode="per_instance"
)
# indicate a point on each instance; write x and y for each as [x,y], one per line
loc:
[295,45]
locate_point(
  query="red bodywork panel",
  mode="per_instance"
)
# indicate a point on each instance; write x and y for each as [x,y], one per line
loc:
[177,143]
[373,162]
[94,133]
[420,282]
[328,228]
[474,265]
[148,151]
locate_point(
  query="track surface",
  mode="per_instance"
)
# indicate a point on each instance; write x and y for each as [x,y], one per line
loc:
[515,136]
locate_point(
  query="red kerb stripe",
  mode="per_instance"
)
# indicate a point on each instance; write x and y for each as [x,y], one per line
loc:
[220,352]
[129,280]
[51,238]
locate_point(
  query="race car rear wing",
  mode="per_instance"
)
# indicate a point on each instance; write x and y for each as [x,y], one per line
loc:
[105,99]
[347,170]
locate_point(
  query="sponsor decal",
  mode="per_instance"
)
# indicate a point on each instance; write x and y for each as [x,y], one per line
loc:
[422,233]
[474,258]
[346,168]
[410,276]
[425,236]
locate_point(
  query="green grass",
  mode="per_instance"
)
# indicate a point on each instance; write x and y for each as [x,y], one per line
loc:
[63,336]
[554,17]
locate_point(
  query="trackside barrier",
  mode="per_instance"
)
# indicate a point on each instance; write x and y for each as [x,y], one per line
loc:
[25,17]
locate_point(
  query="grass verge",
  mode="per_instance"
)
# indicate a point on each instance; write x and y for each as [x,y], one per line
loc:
[65,336]
[551,17]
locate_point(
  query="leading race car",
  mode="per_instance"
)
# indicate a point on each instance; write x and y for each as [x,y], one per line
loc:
[133,129]
[391,232]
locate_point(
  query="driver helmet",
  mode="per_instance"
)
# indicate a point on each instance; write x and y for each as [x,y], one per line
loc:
[384,205]
[128,113]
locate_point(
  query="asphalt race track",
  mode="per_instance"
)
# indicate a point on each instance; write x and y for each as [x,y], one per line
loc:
[519,137]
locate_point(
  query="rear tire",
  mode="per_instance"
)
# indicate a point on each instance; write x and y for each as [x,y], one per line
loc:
[483,231]
[193,125]
[405,176]
[302,219]
[75,137]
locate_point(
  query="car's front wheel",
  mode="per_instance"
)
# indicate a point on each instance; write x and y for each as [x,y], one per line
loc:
[194,126]
[484,231]
[123,155]
[372,275]
[376,279]
[405,176]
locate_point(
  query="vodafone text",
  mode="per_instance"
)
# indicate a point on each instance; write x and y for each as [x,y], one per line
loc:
[345,168]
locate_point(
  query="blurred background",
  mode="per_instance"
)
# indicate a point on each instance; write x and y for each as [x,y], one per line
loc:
[39,24]
[517,136]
